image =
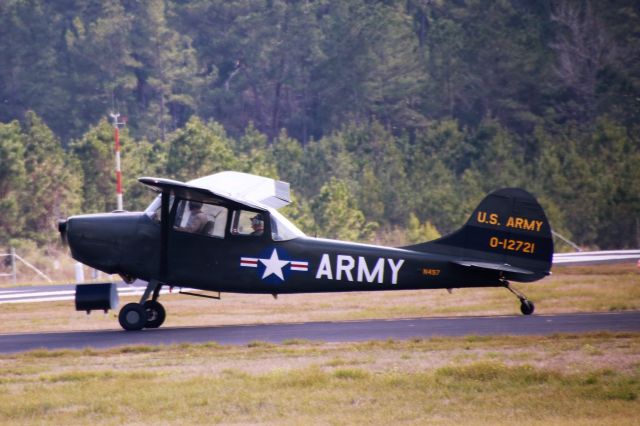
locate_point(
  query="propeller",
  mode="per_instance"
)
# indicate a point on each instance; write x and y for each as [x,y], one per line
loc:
[62,228]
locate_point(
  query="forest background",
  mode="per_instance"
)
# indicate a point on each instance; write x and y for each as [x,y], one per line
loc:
[391,119]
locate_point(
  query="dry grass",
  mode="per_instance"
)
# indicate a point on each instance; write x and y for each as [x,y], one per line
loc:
[569,289]
[570,379]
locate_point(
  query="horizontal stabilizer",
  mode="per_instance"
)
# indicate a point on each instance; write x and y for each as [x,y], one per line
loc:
[493,266]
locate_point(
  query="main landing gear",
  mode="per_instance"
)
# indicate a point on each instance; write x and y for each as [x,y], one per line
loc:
[147,313]
[526,306]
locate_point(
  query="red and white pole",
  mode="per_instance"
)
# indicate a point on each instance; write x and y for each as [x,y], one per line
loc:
[116,131]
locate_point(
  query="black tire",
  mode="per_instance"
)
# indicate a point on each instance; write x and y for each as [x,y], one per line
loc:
[155,314]
[527,307]
[132,317]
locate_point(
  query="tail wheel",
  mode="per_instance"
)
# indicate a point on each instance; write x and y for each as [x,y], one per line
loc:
[155,314]
[526,306]
[132,317]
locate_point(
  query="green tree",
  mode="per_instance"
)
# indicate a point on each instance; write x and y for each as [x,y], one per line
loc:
[12,180]
[299,212]
[437,195]
[619,155]
[440,154]
[54,187]
[199,149]
[583,49]
[166,71]
[499,157]
[259,59]
[139,158]
[254,157]
[379,175]
[337,215]
[372,194]
[420,232]
[370,69]
[442,41]
[578,185]
[548,172]
[289,156]
[95,153]
[326,158]
[32,76]
[97,60]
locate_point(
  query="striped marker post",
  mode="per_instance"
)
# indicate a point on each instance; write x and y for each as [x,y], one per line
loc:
[116,132]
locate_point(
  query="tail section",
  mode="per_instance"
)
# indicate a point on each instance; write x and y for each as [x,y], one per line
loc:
[508,232]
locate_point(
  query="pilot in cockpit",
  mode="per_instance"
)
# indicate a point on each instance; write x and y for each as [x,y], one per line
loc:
[257,224]
[197,218]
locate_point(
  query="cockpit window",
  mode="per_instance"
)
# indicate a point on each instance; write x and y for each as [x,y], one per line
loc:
[242,223]
[247,223]
[201,218]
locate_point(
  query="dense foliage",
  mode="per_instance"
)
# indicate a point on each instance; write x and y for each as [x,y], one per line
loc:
[389,118]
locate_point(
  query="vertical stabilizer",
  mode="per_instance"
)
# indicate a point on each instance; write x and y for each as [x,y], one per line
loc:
[508,231]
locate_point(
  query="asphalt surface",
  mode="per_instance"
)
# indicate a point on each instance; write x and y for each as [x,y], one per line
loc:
[343,331]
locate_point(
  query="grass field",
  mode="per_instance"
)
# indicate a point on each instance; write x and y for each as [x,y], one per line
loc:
[564,379]
[590,379]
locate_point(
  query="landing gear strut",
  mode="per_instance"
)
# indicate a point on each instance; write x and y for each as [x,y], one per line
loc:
[526,306]
[147,313]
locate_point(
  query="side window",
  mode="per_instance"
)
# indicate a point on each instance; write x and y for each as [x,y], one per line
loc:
[247,223]
[201,218]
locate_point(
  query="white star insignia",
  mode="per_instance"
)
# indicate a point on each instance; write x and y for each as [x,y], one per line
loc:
[273,266]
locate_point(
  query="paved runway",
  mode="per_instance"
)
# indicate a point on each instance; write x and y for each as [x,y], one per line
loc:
[343,331]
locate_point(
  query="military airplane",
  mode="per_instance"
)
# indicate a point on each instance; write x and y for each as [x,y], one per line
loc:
[223,233]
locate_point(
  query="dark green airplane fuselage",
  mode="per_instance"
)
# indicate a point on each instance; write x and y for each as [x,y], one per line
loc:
[130,244]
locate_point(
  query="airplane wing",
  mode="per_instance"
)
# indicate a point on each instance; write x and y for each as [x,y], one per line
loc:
[246,187]
[199,193]
[596,257]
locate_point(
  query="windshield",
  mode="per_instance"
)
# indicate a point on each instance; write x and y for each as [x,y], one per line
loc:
[154,211]
[282,229]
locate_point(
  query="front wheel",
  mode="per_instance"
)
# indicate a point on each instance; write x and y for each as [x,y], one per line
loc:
[155,313]
[132,317]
